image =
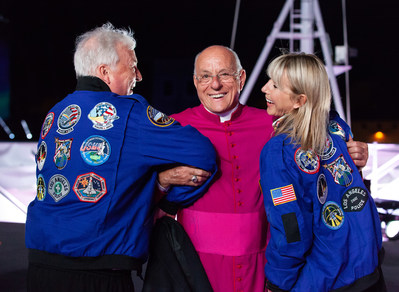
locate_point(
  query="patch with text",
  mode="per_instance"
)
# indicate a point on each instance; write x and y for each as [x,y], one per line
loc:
[90,187]
[333,216]
[68,118]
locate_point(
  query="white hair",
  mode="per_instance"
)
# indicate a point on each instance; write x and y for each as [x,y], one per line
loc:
[99,46]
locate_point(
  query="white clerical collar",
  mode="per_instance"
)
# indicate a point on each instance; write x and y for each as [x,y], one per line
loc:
[226,116]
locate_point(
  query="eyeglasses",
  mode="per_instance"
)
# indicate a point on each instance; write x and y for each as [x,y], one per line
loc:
[223,77]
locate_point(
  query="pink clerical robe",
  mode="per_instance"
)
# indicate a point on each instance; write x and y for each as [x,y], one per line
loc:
[228,225]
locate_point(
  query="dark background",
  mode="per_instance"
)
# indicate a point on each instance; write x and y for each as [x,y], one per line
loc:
[169,34]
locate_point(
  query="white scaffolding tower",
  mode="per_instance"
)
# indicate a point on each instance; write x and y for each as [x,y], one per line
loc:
[306,24]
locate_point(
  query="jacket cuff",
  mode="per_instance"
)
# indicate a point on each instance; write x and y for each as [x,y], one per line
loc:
[273,287]
[168,207]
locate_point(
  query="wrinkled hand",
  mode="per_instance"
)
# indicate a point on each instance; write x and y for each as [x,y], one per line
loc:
[359,152]
[182,175]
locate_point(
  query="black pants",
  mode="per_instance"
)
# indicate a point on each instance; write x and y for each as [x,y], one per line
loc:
[49,279]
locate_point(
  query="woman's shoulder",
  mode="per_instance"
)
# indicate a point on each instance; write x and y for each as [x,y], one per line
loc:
[281,143]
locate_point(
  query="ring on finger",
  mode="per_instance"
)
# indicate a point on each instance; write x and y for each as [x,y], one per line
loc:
[194,179]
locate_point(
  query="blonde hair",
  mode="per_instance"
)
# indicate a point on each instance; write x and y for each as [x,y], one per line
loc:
[306,75]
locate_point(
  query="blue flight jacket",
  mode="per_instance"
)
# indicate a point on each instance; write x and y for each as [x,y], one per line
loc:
[325,228]
[97,162]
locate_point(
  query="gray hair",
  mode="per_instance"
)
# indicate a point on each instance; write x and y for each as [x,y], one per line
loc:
[237,60]
[99,46]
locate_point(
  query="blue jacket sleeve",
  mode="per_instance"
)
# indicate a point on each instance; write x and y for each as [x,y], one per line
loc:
[165,143]
[337,126]
[289,213]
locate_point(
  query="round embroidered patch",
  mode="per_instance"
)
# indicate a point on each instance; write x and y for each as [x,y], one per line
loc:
[329,149]
[158,118]
[41,155]
[354,199]
[333,216]
[103,116]
[58,187]
[335,129]
[307,161]
[95,150]
[40,188]
[322,188]
[68,118]
[90,187]
[48,122]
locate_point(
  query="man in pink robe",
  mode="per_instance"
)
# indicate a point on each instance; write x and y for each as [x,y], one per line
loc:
[228,225]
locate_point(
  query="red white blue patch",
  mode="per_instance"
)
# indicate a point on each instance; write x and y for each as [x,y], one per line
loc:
[329,149]
[62,152]
[158,118]
[103,116]
[333,216]
[40,188]
[95,150]
[307,161]
[90,187]
[58,187]
[283,195]
[335,129]
[41,155]
[322,188]
[48,122]
[341,171]
[68,118]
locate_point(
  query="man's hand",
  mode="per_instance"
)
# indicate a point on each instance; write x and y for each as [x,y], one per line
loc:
[359,152]
[183,175]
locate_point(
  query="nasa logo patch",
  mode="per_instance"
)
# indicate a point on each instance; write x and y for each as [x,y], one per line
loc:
[307,161]
[354,199]
[322,188]
[58,187]
[41,155]
[333,216]
[90,187]
[95,150]
[68,118]
[341,171]
[48,122]
[158,118]
[103,116]
[40,188]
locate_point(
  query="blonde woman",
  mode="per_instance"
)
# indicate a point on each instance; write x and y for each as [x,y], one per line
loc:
[325,229]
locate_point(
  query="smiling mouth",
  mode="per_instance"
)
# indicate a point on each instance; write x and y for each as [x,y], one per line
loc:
[268,100]
[217,96]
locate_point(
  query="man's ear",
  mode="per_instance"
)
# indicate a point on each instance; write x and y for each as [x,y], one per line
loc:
[103,73]
[195,82]
[300,101]
[243,77]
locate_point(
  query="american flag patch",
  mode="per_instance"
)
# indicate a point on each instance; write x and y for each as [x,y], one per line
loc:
[283,195]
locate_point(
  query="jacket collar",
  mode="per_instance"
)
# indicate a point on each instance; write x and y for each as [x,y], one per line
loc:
[91,83]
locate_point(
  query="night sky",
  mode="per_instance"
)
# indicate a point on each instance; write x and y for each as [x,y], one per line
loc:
[41,34]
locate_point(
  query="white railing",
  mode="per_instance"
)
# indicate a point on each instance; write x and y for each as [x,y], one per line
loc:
[382,170]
